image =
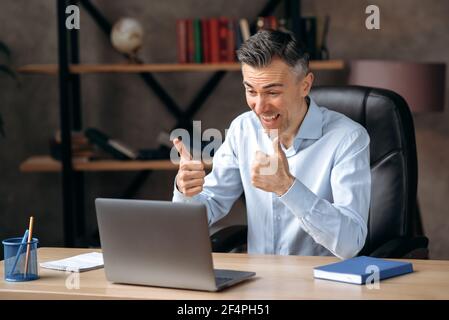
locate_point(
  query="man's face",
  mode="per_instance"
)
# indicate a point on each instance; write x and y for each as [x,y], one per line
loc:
[276,95]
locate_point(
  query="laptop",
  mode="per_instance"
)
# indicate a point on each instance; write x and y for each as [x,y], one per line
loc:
[160,243]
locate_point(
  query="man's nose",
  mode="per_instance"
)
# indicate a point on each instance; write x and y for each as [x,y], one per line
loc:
[260,105]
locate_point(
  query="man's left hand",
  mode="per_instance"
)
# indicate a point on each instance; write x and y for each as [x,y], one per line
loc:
[270,172]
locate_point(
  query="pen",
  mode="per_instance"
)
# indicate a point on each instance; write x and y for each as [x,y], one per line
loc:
[19,252]
[30,236]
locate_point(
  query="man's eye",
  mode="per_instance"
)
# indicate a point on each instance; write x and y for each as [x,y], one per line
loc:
[251,92]
[273,93]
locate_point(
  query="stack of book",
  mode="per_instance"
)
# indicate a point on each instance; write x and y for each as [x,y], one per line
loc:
[215,40]
[210,40]
[107,147]
[82,149]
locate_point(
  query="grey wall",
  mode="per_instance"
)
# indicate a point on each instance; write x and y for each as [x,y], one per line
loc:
[122,106]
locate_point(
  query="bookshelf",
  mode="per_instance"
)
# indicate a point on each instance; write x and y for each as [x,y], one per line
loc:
[44,163]
[53,69]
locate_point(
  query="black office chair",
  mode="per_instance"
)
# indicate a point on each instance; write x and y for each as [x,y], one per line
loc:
[393,225]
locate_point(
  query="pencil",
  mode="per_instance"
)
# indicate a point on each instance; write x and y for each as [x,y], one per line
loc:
[30,237]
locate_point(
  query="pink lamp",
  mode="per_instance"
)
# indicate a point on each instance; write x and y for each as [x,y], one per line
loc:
[421,84]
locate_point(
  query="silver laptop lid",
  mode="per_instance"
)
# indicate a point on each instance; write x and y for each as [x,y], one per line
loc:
[152,243]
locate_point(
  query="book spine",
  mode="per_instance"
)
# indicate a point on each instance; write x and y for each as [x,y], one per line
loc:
[223,39]
[205,40]
[319,32]
[397,271]
[214,41]
[309,27]
[190,41]
[244,28]
[181,36]
[266,24]
[273,22]
[197,38]
[116,149]
[230,41]
[238,35]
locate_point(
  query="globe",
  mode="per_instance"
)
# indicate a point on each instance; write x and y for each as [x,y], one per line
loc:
[127,36]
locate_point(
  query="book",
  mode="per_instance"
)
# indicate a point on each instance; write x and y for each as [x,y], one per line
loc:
[205,40]
[230,46]
[244,27]
[81,148]
[357,270]
[237,35]
[79,263]
[190,41]
[273,22]
[223,44]
[121,151]
[322,31]
[78,138]
[115,148]
[214,40]
[197,56]
[309,27]
[181,32]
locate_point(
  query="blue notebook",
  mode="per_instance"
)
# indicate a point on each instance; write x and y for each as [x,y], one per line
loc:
[357,270]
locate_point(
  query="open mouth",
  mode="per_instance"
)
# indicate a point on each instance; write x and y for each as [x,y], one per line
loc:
[270,120]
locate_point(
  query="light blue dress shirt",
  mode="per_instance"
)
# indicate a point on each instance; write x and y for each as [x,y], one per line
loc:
[324,212]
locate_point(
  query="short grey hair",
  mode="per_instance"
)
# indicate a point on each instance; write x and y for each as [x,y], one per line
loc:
[262,47]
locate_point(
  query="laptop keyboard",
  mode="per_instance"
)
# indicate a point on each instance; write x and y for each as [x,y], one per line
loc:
[221,280]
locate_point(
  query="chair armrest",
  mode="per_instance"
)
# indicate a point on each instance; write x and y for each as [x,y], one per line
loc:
[404,247]
[229,238]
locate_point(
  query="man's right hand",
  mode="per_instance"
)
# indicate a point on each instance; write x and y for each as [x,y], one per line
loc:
[190,178]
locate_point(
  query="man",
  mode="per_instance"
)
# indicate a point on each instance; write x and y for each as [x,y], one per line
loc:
[304,169]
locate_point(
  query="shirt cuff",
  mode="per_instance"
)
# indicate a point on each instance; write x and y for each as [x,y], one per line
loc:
[299,199]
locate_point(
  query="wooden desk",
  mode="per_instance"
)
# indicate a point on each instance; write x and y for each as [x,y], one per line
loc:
[278,277]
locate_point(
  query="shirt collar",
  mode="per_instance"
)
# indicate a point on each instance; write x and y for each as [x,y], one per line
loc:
[312,125]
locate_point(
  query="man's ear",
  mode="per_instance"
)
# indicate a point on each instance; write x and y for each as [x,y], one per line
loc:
[306,84]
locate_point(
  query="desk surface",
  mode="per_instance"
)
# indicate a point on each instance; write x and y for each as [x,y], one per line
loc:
[278,277]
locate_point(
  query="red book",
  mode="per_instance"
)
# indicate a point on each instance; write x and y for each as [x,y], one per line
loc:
[223,39]
[273,23]
[205,40]
[181,40]
[214,42]
[266,23]
[231,41]
[190,41]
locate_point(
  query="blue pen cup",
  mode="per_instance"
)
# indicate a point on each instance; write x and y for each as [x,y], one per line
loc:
[15,260]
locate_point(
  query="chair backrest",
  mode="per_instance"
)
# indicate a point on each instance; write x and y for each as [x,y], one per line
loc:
[389,123]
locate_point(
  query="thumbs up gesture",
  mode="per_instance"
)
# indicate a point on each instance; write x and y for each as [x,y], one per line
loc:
[190,178]
[270,172]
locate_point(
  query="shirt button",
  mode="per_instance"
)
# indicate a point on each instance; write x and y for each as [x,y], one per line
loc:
[278,217]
